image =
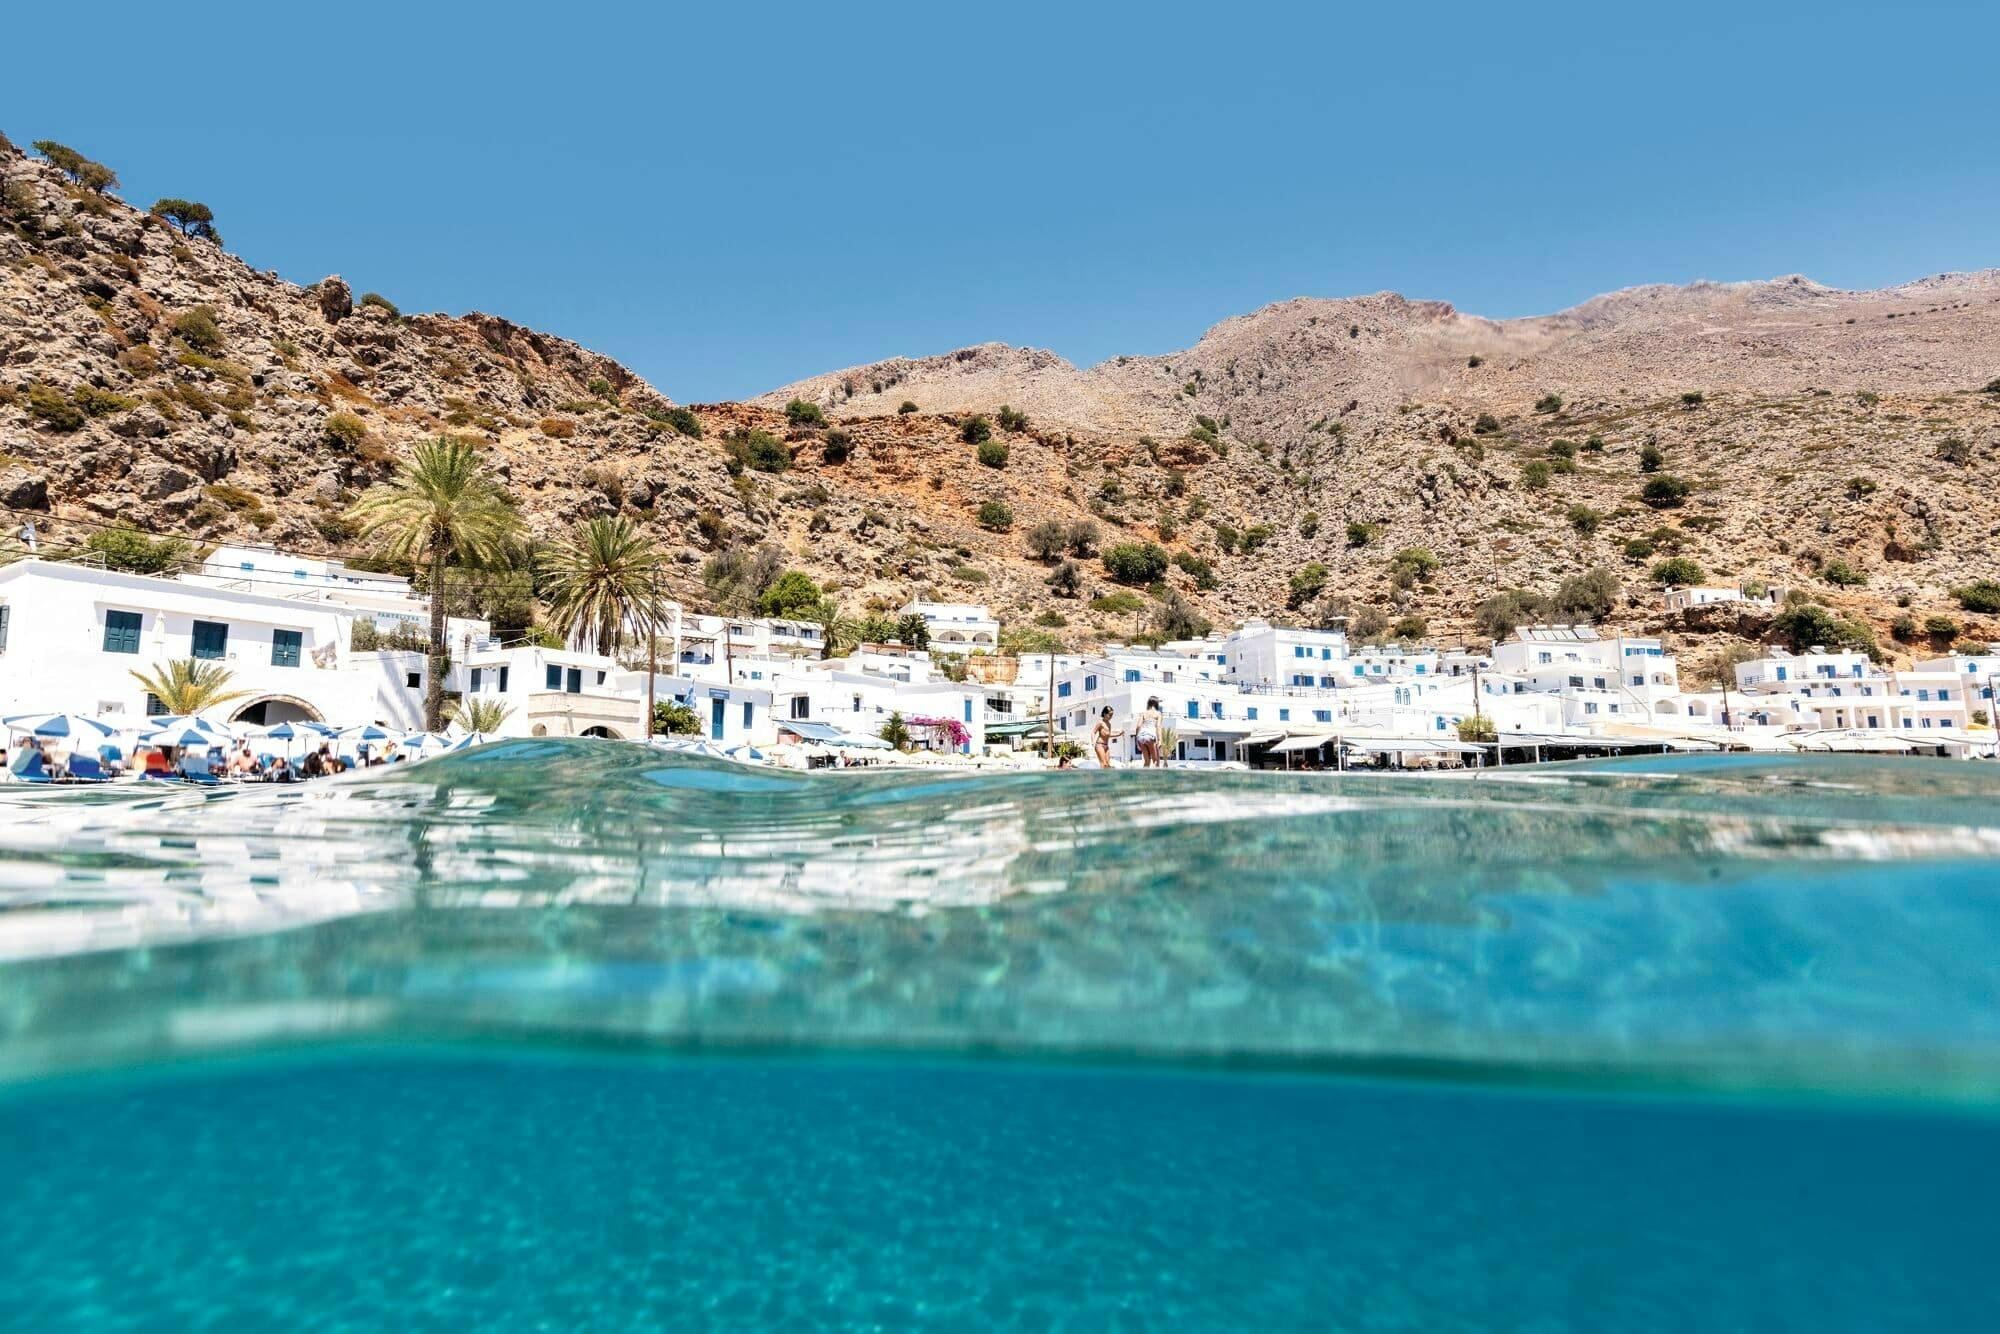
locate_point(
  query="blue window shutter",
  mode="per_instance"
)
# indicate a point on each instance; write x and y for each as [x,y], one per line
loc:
[211,639]
[553,678]
[503,679]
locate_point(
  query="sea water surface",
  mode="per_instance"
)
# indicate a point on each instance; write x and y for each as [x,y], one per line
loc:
[573,1035]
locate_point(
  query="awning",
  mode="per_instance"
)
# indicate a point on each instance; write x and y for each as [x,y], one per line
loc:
[1520,739]
[1004,730]
[1292,743]
[828,735]
[1412,746]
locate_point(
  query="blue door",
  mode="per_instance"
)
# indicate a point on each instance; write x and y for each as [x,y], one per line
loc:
[715,707]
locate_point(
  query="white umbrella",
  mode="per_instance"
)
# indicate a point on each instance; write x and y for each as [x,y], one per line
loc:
[367,732]
[182,736]
[700,747]
[80,725]
[471,739]
[746,754]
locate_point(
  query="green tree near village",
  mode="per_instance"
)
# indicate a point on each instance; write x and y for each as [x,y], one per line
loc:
[444,507]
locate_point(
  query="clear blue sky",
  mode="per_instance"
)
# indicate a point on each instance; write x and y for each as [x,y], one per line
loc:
[727,197]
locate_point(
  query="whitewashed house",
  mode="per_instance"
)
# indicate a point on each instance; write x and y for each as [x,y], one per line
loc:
[71,636]
[956,627]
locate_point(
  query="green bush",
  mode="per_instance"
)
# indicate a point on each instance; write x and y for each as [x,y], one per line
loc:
[346,428]
[1200,568]
[1256,535]
[1012,420]
[1308,582]
[1589,596]
[793,594]
[1843,574]
[756,450]
[198,329]
[976,430]
[1638,548]
[134,552]
[1678,570]
[1585,519]
[1981,595]
[1362,534]
[1500,614]
[1650,458]
[1561,449]
[1486,424]
[1665,491]
[1594,445]
[1549,404]
[1535,475]
[1410,628]
[1309,525]
[1942,628]
[835,447]
[97,402]
[1136,563]
[47,405]
[906,409]
[1412,565]
[1860,488]
[1692,399]
[996,515]
[801,413]
[1806,625]
[1048,539]
[381,303]
[993,454]
[1118,603]
[1082,537]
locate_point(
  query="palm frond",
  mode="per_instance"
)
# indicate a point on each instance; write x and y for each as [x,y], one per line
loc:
[186,686]
[598,582]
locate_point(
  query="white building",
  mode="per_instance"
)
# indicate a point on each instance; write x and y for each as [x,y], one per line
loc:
[956,627]
[72,635]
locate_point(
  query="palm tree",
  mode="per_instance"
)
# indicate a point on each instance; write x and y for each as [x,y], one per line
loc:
[443,506]
[480,715]
[184,686]
[599,581]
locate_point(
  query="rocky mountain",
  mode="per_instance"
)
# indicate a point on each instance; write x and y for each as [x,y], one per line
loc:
[1814,438]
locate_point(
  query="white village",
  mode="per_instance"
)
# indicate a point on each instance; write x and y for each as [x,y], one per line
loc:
[326,667]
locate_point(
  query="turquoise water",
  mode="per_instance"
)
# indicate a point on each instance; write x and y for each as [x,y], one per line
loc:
[565,1035]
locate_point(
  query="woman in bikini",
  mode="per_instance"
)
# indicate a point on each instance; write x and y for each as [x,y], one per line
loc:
[1147,734]
[1101,737]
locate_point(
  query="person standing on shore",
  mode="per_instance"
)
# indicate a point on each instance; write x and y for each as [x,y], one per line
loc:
[1101,737]
[1147,734]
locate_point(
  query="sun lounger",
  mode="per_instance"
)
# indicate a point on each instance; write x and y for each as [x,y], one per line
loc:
[86,769]
[34,771]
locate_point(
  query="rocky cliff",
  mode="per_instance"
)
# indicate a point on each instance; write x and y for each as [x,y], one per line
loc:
[149,377]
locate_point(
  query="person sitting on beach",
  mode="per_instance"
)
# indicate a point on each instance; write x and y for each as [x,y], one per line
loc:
[1147,734]
[314,765]
[1101,737]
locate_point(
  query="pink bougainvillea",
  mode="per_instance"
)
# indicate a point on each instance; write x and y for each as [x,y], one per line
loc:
[942,731]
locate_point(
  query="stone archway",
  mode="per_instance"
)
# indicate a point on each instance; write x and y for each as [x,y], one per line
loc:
[270,710]
[600,731]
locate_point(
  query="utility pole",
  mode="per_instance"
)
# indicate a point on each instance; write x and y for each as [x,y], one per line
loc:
[652,644]
[1049,741]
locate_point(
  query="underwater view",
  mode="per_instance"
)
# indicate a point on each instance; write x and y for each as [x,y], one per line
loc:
[575,1035]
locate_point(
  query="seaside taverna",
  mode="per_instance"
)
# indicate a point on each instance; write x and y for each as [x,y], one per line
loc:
[318,646]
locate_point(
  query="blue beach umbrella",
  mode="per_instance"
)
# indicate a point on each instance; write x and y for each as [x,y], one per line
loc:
[188,735]
[61,725]
[219,731]
[368,732]
[471,739]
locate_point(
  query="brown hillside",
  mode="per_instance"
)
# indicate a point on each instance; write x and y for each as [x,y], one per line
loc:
[1824,430]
